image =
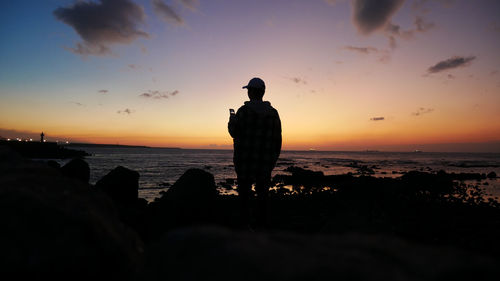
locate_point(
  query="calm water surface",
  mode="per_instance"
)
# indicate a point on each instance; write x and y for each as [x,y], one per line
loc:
[159,167]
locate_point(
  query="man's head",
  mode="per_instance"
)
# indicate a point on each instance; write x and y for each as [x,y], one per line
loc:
[256,89]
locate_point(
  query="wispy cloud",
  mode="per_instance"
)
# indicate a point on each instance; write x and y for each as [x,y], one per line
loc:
[298,80]
[133,66]
[103,91]
[420,4]
[423,26]
[369,15]
[362,50]
[377,119]
[103,23]
[383,55]
[393,31]
[451,63]
[127,111]
[77,103]
[421,111]
[158,94]
[191,4]
[167,12]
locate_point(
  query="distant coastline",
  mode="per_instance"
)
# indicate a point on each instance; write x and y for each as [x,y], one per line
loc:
[113,145]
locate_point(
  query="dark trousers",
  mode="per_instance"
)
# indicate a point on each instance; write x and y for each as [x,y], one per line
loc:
[262,185]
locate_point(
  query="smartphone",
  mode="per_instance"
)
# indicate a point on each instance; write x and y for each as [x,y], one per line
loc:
[231,111]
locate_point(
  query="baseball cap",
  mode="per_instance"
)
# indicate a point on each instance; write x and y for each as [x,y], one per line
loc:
[256,83]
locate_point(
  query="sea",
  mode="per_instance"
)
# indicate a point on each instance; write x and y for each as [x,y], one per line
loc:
[159,168]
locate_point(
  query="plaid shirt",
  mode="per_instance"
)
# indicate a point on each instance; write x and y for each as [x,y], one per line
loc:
[256,132]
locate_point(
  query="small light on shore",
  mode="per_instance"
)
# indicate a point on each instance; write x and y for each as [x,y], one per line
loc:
[67,141]
[8,139]
[44,140]
[31,139]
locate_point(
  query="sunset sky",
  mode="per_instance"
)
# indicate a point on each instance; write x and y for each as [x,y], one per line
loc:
[343,75]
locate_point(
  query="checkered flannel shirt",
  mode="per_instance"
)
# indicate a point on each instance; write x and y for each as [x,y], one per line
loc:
[257,142]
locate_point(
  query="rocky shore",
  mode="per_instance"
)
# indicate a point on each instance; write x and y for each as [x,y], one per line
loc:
[420,226]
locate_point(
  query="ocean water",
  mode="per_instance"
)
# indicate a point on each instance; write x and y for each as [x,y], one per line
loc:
[161,167]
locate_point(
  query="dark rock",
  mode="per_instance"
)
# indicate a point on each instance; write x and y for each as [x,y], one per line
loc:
[77,169]
[121,184]
[190,200]
[194,185]
[53,164]
[55,228]
[491,175]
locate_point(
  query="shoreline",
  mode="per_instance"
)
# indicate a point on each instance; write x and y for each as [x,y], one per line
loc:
[416,218]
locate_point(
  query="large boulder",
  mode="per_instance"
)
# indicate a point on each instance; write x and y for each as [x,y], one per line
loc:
[195,185]
[55,227]
[77,169]
[121,184]
[190,200]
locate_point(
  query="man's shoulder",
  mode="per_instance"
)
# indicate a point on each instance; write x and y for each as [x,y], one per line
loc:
[242,109]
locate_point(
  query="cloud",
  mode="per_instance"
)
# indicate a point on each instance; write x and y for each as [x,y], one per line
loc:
[298,80]
[103,23]
[451,76]
[393,30]
[158,94]
[419,5]
[133,66]
[421,25]
[377,119]
[77,103]
[451,63]
[421,111]
[370,15]
[362,50]
[167,13]
[103,91]
[127,111]
[494,72]
[191,4]
[383,55]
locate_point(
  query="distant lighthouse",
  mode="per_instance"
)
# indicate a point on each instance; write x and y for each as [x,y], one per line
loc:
[41,137]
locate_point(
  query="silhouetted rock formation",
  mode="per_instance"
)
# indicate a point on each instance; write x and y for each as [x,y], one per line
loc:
[190,200]
[77,169]
[53,164]
[121,184]
[195,185]
[58,228]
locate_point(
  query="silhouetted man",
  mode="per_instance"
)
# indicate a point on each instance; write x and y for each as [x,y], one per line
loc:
[256,132]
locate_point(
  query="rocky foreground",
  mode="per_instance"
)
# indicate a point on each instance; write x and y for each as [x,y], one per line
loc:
[421,226]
